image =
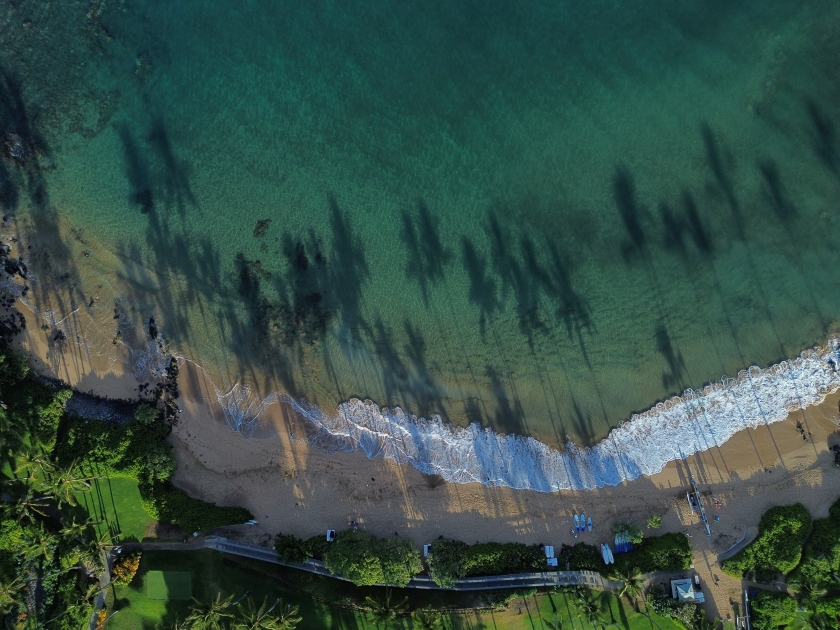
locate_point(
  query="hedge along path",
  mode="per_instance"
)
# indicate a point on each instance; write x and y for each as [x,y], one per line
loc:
[589,579]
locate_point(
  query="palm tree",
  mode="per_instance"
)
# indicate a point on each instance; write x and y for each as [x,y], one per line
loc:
[74,531]
[8,594]
[704,624]
[385,611]
[102,542]
[808,588]
[64,484]
[425,620]
[34,461]
[633,583]
[209,616]
[38,544]
[821,621]
[261,618]
[588,608]
[29,507]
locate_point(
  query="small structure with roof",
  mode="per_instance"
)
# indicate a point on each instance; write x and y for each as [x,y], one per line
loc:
[683,591]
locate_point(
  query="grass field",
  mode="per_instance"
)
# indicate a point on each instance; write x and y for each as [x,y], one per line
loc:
[558,609]
[113,503]
[166,585]
[211,574]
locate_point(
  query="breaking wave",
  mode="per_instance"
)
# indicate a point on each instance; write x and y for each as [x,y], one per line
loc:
[643,445]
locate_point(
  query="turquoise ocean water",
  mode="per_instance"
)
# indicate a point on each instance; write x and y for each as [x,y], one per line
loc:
[538,216]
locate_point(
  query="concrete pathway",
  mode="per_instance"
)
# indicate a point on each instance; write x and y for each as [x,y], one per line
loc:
[268,554]
[746,539]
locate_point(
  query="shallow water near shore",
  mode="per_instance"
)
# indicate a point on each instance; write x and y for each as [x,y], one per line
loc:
[538,219]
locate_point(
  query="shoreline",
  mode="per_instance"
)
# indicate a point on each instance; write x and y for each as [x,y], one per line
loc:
[95,378]
[293,487]
[640,446]
[204,441]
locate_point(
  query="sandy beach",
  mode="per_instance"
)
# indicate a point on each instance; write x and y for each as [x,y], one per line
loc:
[293,488]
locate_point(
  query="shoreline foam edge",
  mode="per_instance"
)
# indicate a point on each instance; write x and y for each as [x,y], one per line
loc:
[674,429]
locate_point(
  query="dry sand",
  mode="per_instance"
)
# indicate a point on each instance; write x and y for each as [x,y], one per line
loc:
[292,488]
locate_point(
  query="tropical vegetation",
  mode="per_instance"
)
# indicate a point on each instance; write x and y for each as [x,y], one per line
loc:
[630,532]
[819,568]
[51,555]
[139,450]
[453,559]
[778,547]
[668,552]
[366,560]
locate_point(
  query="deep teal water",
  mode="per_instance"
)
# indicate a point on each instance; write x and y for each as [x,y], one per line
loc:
[541,216]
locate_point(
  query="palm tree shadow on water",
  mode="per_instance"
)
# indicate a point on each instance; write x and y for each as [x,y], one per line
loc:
[25,159]
[824,137]
[427,256]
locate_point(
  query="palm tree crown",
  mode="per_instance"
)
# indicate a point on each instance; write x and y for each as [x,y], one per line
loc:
[385,611]
[261,618]
[209,616]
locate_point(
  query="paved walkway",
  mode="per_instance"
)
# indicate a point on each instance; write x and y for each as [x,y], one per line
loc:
[749,536]
[268,554]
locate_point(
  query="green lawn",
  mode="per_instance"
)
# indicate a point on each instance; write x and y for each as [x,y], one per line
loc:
[540,611]
[175,585]
[211,574]
[114,504]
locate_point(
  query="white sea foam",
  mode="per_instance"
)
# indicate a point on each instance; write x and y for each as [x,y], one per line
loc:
[242,409]
[643,445]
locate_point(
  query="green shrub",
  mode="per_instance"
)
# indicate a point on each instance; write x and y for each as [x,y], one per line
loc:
[771,610]
[366,560]
[49,417]
[446,562]
[580,557]
[654,522]
[146,415]
[453,559]
[165,502]
[669,552]
[778,548]
[826,605]
[295,550]
[633,533]
[33,410]
[317,546]
[14,368]
[821,555]
[502,558]
[292,549]
[685,614]
[12,535]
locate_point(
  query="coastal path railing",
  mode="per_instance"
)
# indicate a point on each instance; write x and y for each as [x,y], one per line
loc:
[518,580]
